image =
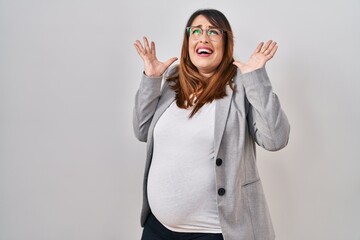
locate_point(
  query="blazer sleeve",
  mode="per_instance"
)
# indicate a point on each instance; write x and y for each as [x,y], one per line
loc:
[146,100]
[267,121]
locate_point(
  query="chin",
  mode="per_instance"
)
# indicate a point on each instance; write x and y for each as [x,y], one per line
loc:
[206,67]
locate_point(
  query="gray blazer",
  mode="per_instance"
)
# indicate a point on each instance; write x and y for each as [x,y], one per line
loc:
[252,114]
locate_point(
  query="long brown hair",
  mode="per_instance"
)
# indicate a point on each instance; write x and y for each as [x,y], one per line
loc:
[186,78]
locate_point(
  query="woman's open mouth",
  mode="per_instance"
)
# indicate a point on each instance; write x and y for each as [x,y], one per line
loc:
[204,51]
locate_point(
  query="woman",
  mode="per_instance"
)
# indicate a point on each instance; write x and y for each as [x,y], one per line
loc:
[201,126]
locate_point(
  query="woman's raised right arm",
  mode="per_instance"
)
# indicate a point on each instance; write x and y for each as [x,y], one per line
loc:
[149,92]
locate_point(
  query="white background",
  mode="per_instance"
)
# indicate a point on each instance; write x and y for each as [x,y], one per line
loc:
[70,166]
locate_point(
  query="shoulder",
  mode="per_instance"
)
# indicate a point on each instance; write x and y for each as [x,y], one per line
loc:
[171,71]
[171,75]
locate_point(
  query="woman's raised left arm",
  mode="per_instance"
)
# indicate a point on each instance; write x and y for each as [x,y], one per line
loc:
[267,121]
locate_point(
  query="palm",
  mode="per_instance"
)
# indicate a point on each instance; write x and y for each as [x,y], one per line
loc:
[259,58]
[152,66]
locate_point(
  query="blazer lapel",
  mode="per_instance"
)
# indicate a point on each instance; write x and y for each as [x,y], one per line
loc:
[221,114]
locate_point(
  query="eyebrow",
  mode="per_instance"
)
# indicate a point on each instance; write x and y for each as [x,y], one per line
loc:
[200,26]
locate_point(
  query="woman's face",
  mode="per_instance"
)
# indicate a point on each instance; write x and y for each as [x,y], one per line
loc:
[205,54]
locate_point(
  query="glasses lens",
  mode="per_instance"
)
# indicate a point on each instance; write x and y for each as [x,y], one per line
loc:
[214,34]
[195,32]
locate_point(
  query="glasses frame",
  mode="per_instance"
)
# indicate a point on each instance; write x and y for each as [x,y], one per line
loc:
[188,31]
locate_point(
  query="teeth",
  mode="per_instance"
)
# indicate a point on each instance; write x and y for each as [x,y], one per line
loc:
[204,50]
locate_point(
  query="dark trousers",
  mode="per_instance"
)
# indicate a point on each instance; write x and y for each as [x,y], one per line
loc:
[154,230]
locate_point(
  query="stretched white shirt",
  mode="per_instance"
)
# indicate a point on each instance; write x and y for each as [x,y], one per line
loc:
[181,183]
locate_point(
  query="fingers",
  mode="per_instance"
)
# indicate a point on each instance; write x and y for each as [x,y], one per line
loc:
[146,46]
[266,46]
[269,49]
[152,49]
[272,52]
[266,49]
[139,48]
[170,61]
[239,64]
[258,49]
[144,49]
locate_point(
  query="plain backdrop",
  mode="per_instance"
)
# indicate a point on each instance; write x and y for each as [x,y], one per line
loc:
[70,166]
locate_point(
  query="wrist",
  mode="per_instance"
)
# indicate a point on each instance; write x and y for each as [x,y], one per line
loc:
[152,75]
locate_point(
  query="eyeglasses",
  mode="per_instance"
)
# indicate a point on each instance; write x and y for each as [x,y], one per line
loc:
[214,34]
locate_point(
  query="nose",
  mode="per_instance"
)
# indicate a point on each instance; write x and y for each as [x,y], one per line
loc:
[204,37]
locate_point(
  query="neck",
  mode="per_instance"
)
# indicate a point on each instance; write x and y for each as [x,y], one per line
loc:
[206,74]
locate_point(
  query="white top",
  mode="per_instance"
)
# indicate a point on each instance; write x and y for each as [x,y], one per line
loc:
[181,183]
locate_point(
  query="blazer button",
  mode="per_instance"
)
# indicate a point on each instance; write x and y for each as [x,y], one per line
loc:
[218,162]
[221,191]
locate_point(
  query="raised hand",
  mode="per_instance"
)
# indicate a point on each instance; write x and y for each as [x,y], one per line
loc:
[152,66]
[262,54]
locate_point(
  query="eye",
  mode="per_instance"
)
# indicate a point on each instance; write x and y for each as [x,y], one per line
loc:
[214,31]
[196,31]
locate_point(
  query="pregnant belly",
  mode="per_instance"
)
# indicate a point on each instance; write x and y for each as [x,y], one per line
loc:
[182,196]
